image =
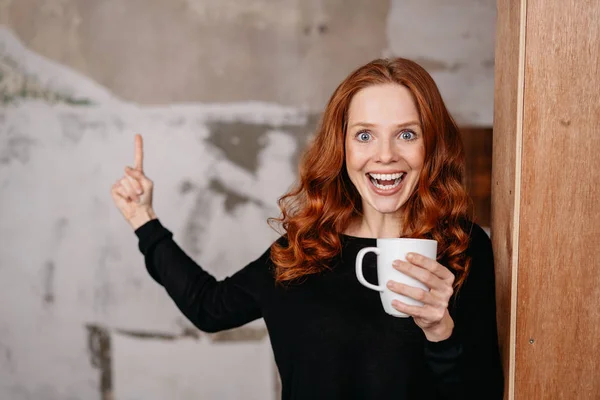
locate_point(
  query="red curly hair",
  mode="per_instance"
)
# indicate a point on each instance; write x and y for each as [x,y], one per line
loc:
[324,201]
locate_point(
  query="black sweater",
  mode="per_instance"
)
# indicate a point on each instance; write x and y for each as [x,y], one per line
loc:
[330,336]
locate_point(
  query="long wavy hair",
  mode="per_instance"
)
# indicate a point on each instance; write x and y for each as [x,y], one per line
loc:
[324,201]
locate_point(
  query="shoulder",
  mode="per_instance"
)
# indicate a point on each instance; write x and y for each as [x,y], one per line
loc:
[479,284]
[266,258]
[261,269]
[478,237]
[480,253]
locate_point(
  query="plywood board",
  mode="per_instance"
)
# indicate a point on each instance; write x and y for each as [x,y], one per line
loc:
[558,313]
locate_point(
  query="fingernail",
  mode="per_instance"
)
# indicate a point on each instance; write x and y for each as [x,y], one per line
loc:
[396,264]
[390,284]
[409,256]
[139,191]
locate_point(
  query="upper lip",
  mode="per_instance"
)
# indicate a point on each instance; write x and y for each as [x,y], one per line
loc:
[386,172]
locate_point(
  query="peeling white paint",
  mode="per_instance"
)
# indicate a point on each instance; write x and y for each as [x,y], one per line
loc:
[58,163]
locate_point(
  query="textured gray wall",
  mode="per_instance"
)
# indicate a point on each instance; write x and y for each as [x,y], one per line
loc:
[226,94]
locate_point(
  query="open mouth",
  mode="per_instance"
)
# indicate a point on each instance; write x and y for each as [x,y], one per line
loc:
[386,181]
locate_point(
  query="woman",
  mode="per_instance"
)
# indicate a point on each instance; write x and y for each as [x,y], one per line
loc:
[387,161]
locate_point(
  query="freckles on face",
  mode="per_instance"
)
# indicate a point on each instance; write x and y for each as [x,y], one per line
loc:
[384,146]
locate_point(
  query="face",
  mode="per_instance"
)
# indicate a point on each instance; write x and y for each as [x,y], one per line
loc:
[384,147]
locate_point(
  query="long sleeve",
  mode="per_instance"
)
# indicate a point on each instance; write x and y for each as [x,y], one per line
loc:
[467,365]
[209,304]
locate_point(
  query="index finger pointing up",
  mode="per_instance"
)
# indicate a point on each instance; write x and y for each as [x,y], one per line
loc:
[139,153]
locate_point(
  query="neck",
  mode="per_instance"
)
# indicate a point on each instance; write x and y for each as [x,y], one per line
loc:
[373,224]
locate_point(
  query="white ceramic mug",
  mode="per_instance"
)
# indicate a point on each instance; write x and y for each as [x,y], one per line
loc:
[387,251]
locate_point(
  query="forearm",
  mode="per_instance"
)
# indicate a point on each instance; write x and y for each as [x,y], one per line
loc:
[195,292]
[169,265]
[141,218]
[207,303]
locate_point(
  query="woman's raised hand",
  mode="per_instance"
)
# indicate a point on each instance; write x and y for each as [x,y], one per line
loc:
[132,193]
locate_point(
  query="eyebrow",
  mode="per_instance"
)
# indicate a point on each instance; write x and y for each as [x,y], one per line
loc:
[370,125]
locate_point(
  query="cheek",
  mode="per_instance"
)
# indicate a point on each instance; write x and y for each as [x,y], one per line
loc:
[354,166]
[352,159]
[417,158]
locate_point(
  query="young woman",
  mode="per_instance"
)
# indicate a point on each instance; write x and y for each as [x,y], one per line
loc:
[387,161]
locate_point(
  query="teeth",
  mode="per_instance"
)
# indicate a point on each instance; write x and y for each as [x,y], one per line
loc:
[387,177]
[386,187]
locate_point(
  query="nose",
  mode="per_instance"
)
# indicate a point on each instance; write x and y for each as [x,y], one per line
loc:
[386,153]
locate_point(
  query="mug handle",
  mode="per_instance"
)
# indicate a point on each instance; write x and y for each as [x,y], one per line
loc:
[359,272]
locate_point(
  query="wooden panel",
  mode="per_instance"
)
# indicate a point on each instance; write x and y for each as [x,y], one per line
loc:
[558,315]
[508,96]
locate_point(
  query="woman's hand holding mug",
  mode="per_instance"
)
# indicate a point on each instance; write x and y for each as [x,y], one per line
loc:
[132,193]
[432,317]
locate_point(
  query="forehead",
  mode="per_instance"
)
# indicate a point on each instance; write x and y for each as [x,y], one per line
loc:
[383,104]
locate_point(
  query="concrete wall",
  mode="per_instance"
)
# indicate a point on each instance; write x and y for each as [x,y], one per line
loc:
[226,94]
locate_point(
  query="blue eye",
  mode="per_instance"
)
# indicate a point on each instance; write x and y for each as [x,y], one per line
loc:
[408,135]
[363,136]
